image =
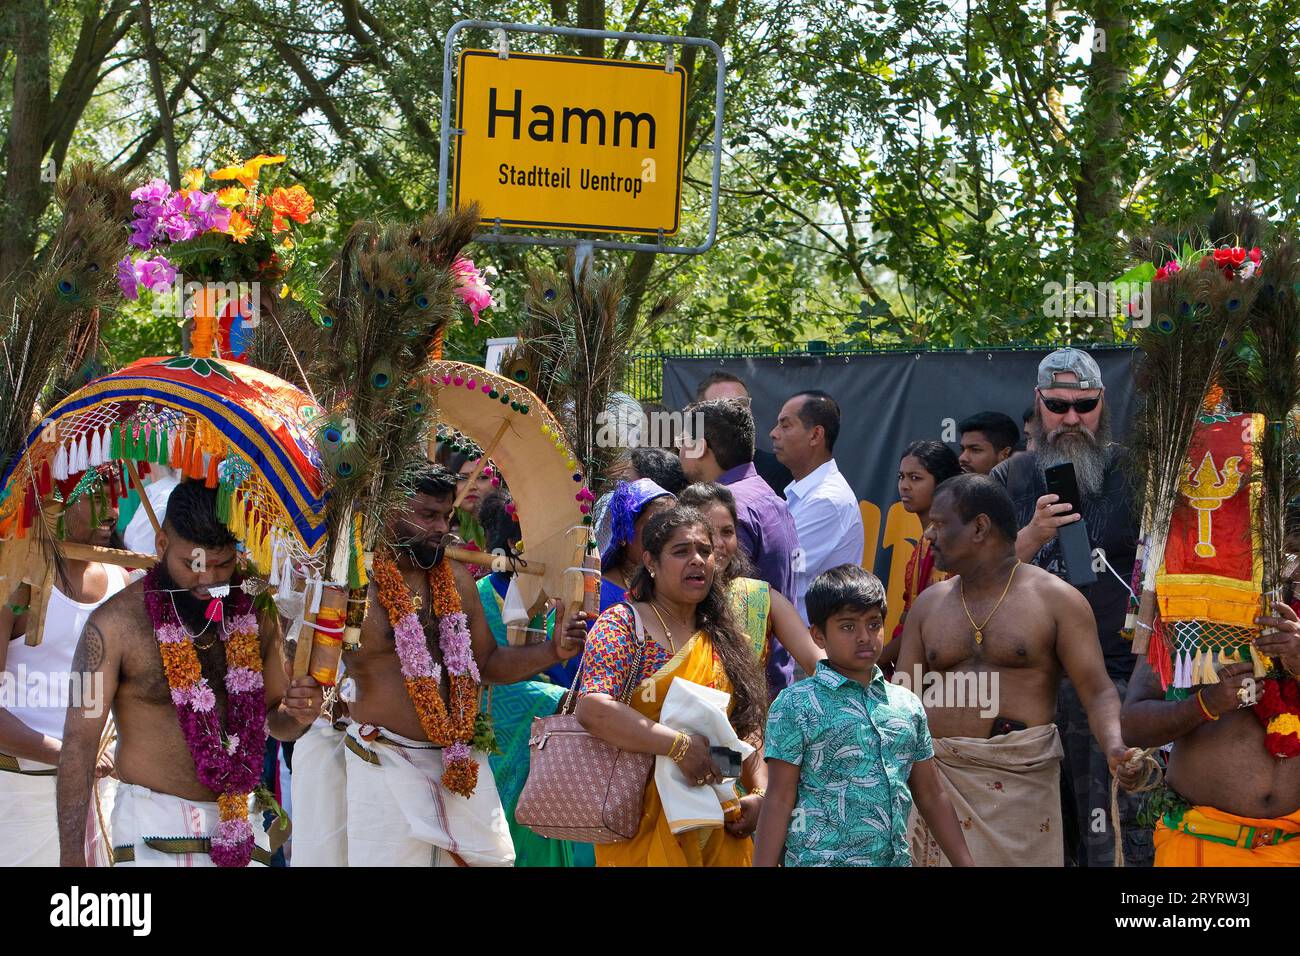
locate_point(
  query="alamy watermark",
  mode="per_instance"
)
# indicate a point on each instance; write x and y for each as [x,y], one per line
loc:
[23,688]
[633,428]
[1073,299]
[953,689]
[180,298]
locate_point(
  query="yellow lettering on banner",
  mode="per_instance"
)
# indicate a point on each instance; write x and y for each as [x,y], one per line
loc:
[566,142]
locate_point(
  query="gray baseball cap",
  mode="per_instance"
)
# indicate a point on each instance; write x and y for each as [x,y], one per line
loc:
[1083,365]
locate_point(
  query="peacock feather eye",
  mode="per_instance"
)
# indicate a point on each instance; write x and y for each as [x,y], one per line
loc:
[66,286]
[92,267]
[549,295]
[1165,324]
[344,469]
[333,436]
[1233,304]
[421,301]
[521,375]
[1184,308]
[379,380]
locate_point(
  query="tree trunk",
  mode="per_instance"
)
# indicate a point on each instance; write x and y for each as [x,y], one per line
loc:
[591,16]
[25,194]
[1097,194]
[160,95]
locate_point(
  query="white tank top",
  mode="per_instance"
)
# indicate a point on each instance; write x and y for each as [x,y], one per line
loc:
[40,685]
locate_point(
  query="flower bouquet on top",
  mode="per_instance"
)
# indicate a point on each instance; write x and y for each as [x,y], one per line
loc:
[244,228]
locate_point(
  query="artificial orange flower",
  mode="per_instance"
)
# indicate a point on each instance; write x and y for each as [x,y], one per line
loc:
[278,223]
[240,228]
[193,179]
[295,203]
[248,171]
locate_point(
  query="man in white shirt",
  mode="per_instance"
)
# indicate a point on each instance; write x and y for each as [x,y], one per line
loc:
[37,685]
[824,507]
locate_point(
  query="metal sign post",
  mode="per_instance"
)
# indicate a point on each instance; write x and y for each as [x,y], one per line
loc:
[626,122]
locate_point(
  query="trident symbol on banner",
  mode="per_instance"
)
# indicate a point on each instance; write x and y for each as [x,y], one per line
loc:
[1205,491]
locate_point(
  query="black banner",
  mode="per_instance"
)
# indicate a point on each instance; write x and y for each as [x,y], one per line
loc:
[888,400]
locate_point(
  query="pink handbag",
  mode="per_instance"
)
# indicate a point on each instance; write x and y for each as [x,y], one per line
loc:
[579,787]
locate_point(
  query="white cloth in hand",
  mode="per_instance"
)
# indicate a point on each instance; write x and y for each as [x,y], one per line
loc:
[692,708]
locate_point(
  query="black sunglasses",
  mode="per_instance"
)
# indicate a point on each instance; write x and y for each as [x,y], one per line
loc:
[1059,406]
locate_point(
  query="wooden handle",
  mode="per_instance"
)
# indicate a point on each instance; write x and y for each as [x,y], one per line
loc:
[138,485]
[93,552]
[1146,616]
[484,559]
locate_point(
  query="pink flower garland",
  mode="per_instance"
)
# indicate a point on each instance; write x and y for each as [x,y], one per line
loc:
[228,763]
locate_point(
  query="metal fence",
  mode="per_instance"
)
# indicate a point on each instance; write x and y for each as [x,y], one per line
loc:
[645,375]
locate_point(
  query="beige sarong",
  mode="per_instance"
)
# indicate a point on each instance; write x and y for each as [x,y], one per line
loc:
[29,820]
[142,817]
[400,814]
[1006,793]
[320,798]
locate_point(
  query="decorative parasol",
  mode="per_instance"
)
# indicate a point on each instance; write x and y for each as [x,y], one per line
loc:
[521,436]
[242,430]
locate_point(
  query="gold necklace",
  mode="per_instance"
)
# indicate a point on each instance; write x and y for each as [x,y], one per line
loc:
[662,623]
[979,628]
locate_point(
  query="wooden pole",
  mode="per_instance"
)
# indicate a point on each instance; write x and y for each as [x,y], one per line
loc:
[138,485]
[93,552]
[487,558]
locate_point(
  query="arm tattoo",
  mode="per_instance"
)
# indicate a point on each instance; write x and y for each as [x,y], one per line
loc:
[90,650]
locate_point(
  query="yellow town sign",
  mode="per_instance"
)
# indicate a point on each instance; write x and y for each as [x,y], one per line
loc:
[570,143]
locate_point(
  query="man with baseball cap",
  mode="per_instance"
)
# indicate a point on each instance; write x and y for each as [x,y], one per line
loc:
[1071,423]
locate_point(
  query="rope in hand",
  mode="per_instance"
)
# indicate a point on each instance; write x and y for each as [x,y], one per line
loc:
[1152,777]
[106,741]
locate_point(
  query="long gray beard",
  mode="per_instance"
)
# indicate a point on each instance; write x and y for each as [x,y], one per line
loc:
[1087,451]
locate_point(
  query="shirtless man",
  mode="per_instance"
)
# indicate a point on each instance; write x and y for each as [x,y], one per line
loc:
[399,812]
[990,643]
[1232,788]
[163,815]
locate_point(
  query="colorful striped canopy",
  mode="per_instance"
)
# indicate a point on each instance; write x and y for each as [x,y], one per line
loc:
[243,429]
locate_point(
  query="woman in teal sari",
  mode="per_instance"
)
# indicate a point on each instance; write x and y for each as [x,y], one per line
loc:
[513,706]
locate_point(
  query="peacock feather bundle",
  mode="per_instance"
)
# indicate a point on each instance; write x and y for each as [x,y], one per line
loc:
[1197,314]
[396,295]
[49,315]
[574,353]
[1270,386]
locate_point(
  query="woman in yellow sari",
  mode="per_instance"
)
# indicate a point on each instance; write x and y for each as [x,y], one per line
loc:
[690,635]
[762,613]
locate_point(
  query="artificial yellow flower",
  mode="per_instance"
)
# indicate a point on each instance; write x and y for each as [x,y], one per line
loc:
[240,228]
[249,170]
[193,179]
[231,196]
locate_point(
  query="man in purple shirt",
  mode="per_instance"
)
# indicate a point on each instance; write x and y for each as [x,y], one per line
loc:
[718,445]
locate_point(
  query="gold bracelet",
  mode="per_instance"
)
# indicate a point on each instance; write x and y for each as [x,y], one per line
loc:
[757,792]
[682,741]
[1209,715]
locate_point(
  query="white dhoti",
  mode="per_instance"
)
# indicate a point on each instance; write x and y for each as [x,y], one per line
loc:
[319,789]
[29,820]
[159,829]
[400,814]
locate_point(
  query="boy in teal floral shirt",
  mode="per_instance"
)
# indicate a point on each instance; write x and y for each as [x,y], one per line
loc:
[847,752]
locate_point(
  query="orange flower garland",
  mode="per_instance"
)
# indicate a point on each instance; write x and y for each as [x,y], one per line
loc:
[451,728]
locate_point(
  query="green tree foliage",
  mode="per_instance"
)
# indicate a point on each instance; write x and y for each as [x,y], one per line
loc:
[915,171]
